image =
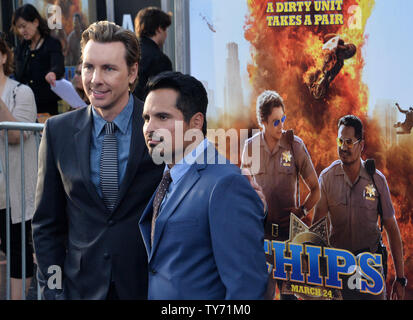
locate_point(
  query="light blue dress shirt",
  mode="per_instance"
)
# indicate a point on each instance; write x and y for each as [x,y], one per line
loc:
[123,134]
[179,170]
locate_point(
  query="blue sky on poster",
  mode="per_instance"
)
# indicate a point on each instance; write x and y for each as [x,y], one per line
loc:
[388,51]
[389,65]
[208,48]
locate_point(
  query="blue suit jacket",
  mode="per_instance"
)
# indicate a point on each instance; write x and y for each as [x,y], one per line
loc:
[209,237]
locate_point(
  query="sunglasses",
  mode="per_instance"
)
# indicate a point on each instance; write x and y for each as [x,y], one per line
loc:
[347,142]
[277,122]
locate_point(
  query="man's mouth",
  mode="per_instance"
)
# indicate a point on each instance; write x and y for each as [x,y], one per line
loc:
[99,94]
[153,140]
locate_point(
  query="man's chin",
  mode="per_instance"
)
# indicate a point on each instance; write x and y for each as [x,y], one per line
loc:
[99,104]
[346,161]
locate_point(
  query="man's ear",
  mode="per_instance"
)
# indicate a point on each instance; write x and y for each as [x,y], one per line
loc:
[133,73]
[197,121]
[159,30]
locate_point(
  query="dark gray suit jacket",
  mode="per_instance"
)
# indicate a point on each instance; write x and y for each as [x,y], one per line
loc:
[72,228]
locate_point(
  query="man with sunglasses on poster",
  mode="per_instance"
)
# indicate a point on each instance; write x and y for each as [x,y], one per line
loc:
[283,158]
[354,194]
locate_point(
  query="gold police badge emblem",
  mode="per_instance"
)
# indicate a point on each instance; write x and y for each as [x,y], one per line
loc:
[370,192]
[286,158]
[316,235]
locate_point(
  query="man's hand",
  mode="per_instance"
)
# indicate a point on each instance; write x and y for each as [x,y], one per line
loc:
[397,291]
[255,186]
[297,211]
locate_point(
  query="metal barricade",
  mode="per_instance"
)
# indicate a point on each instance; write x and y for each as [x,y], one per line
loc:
[36,128]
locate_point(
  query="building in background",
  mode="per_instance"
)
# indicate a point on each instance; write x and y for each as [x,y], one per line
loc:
[212,109]
[385,112]
[233,92]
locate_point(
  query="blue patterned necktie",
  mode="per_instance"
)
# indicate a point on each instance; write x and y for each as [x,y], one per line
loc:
[160,194]
[109,179]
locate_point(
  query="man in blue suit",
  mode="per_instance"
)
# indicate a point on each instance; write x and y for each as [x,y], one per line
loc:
[203,228]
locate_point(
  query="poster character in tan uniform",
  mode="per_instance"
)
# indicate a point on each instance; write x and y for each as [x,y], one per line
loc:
[350,197]
[283,158]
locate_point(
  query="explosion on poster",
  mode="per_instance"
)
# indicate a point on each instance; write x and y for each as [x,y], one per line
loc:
[326,13]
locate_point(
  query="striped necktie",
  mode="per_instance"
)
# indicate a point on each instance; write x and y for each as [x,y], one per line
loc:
[109,180]
[160,194]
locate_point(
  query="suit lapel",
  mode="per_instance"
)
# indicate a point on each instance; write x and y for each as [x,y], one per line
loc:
[145,224]
[185,185]
[82,139]
[136,150]
[177,196]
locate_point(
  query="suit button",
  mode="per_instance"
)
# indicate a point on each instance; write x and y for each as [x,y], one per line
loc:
[111,222]
[153,271]
[106,256]
[31,81]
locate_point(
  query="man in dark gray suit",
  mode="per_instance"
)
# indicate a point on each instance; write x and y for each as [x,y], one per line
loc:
[95,179]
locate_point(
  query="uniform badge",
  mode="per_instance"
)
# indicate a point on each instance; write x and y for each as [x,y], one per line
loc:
[286,158]
[370,192]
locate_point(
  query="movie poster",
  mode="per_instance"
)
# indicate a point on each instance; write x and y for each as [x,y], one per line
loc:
[241,48]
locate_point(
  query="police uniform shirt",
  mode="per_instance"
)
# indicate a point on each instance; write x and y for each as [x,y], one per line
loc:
[277,173]
[352,208]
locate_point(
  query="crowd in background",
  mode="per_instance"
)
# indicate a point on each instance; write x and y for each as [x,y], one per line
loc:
[27,75]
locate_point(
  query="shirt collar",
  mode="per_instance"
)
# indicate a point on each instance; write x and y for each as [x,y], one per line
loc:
[284,142]
[362,174]
[121,120]
[281,143]
[149,41]
[181,167]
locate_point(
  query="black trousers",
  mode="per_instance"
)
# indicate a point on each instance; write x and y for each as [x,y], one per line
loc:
[16,246]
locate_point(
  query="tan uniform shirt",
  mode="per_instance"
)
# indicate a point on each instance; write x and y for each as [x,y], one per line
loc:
[352,208]
[277,173]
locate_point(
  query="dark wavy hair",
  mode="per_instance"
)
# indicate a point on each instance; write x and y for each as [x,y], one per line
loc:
[266,102]
[352,121]
[29,13]
[149,19]
[5,50]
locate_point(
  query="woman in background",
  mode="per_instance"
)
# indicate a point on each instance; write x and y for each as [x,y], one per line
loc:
[39,57]
[77,83]
[17,104]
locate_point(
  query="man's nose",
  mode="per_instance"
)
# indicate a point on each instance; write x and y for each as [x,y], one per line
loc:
[148,127]
[96,77]
[344,146]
